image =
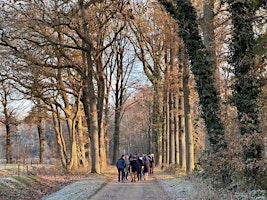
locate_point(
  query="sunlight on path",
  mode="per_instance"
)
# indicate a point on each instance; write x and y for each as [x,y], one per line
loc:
[148,189]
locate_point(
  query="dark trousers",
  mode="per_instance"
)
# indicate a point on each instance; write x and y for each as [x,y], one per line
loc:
[126,175]
[139,174]
[121,174]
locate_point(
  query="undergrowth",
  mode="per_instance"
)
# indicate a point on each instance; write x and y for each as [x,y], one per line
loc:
[207,188]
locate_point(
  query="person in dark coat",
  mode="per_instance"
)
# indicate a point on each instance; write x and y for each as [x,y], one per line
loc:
[120,166]
[140,170]
[134,168]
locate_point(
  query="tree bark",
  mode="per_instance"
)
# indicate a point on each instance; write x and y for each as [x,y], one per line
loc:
[172,133]
[60,140]
[116,136]
[182,133]
[164,136]
[6,121]
[8,144]
[157,122]
[41,140]
[81,140]
[177,131]
[167,105]
[93,115]
[100,108]
[189,135]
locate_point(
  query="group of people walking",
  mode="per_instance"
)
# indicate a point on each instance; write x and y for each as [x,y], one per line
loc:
[136,166]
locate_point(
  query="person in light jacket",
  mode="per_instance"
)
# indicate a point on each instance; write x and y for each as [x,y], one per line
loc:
[127,167]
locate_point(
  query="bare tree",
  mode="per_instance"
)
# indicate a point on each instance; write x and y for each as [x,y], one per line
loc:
[8,118]
[63,37]
[150,52]
[122,80]
[37,116]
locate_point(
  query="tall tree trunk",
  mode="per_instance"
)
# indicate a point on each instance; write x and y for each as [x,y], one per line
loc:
[93,115]
[94,134]
[164,136]
[71,119]
[172,133]
[202,67]
[7,121]
[119,91]
[106,119]
[157,122]
[40,133]
[100,107]
[116,144]
[73,162]
[60,139]
[41,140]
[177,130]
[182,144]
[189,137]
[207,25]
[102,146]
[173,83]
[190,155]
[81,141]
[167,124]
[8,144]
[90,99]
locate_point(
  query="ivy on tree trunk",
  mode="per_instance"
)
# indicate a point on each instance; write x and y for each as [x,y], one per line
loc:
[202,67]
[247,85]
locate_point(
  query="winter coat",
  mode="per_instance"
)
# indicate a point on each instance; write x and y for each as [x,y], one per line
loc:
[127,165]
[134,165]
[146,165]
[151,160]
[120,164]
[140,162]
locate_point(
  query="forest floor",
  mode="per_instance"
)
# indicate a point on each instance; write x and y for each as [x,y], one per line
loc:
[39,182]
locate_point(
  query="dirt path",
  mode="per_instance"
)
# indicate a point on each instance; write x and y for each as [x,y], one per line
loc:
[108,188]
[148,189]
